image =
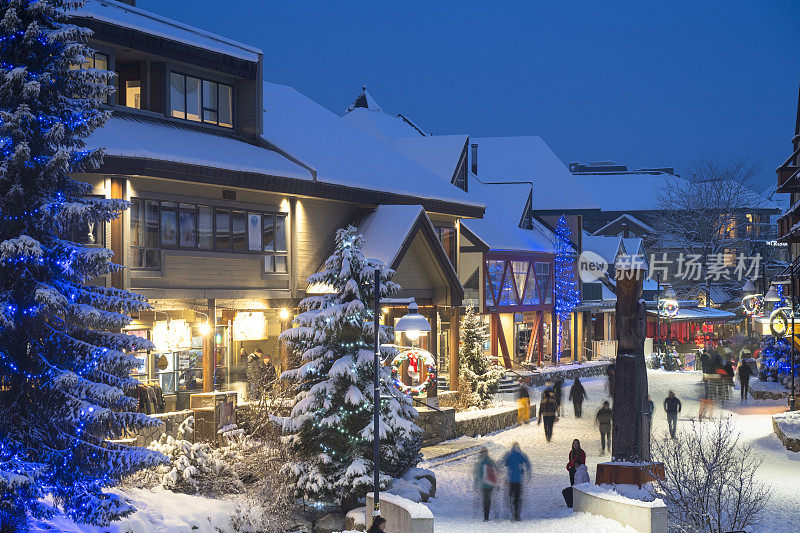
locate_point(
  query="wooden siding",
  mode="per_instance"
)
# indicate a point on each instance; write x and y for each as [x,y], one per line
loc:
[419,276]
[208,270]
[316,222]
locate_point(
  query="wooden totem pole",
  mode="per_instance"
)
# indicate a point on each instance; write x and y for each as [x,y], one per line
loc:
[630,434]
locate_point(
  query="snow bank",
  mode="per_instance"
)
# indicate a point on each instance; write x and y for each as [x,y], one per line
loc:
[630,494]
[159,510]
[789,423]
[415,510]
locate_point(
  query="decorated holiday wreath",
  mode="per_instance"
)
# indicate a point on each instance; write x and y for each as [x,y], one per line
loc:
[417,359]
[668,307]
[753,304]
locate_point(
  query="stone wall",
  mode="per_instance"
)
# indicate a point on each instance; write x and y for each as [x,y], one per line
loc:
[474,423]
[438,425]
[568,372]
[170,422]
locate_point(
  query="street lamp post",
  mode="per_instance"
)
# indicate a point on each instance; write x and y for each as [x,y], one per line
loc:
[376,397]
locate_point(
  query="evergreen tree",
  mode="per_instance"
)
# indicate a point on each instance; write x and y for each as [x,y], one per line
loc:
[330,426]
[63,363]
[478,377]
[566,287]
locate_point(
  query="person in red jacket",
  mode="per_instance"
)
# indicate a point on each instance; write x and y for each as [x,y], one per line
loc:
[577,457]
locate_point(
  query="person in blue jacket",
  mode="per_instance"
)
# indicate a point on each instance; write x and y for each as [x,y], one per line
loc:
[519,468]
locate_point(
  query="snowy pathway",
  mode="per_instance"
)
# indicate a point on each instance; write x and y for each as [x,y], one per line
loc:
[456,506]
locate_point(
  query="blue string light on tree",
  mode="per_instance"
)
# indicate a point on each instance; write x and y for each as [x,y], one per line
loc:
[565,289]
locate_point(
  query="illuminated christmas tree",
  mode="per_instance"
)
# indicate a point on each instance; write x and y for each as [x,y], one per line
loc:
[64,365]
[566,286]
[330,426]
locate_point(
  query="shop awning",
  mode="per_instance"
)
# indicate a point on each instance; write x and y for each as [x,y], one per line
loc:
[695,314]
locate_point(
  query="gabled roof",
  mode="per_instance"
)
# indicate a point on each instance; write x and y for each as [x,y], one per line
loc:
[606,247]
[438,153]
[134,136]
[126,16]
[497,230]
[382,125]
[528,158]
[342,154]
[365,100]
[389,231]
[633,245]
[615,227]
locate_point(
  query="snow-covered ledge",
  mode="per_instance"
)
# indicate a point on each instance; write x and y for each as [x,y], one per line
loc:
[402,515]
[643,516]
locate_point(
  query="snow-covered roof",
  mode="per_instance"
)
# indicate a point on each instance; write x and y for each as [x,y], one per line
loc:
[365,100]
[497,229]
[386,229]
[343,154]
[697,314]
[625,218]
[606,247]
[437,153]
[144,137]
[382,125]
[627,192]
[130,17]
[640,191]
[528,158]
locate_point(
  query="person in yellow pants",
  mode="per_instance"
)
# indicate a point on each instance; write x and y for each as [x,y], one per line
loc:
[523,405]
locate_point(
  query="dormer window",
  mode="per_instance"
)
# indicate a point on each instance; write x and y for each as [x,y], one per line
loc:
[201,100]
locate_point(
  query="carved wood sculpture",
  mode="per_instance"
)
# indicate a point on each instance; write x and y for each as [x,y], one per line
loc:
[630,432]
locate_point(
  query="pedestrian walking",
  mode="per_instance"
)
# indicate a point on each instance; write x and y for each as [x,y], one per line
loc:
[577,393]
[486,480]
[378,525]
[672,406]
[745,370]
[256,370]
[523,404]
[728,378]
[557,390]
[519,468]
[577,457]
[547,412]
[604,417]
[705,364]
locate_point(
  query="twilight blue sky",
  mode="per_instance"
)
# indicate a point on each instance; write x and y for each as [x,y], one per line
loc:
[642,83]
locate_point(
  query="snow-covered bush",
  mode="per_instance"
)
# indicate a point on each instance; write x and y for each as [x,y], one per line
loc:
[478,377]
[710,478]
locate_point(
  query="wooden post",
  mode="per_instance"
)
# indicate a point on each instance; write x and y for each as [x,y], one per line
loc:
[117,232]
[455,332]
[209,348]
[433,346]
[631,435]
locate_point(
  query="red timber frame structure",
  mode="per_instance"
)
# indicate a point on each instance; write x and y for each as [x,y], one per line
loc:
[518,282]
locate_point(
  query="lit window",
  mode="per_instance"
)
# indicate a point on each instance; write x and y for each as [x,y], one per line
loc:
[133,94]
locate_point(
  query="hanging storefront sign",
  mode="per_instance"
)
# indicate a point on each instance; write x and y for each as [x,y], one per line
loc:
[172,335]
[249,326]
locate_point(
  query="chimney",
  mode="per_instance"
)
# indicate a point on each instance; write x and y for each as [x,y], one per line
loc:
[474,157]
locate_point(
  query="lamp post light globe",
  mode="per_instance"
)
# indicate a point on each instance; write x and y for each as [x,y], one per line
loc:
[413,324]
[772,295]
[205,329]
[669,294]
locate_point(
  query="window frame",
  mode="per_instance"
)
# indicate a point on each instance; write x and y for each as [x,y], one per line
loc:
[202,83]
[267,252]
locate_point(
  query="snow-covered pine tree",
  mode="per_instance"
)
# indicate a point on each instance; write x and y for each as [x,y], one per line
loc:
[565,288]
[330,426]
[63,362]
[479,378]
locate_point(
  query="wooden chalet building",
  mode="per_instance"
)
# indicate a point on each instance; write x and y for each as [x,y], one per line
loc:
[789,221]
[505,259]
[237,189]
